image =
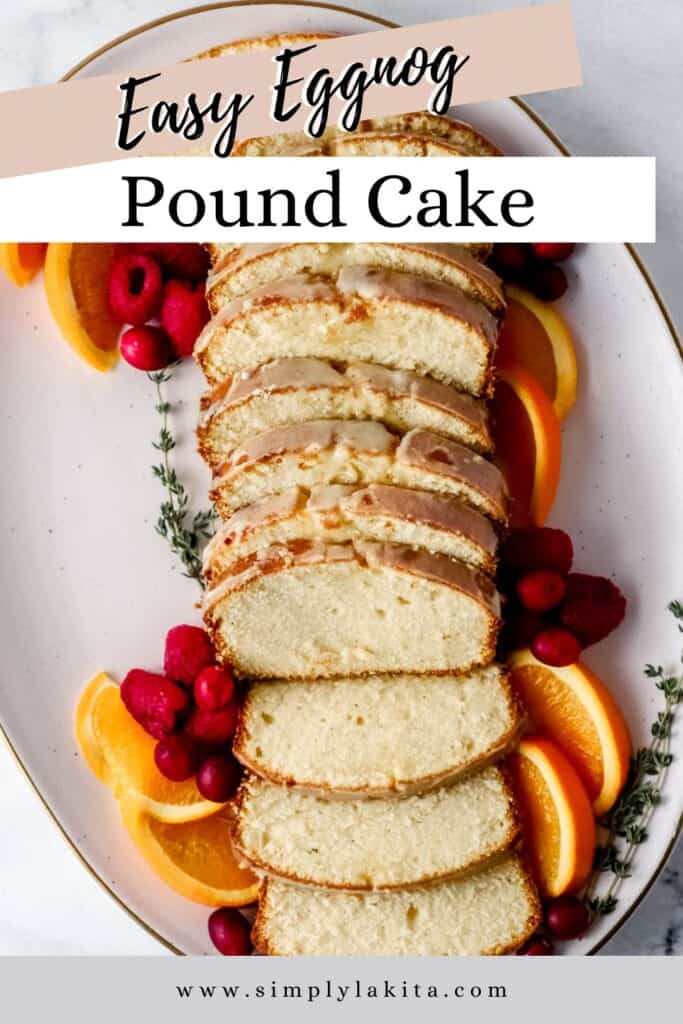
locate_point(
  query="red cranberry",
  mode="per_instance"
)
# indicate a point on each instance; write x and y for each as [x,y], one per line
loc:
[540,591]
[510,258]
[176,757]
[213,688]
[146,348]
[213,728]
[538,547]
[183,314]
[536,946]
[154,701]
[548,282]
[553,252]
[522,626]
[567,917]
[135,288]
[218,777]
[229,932]
[557,647]
[188,650]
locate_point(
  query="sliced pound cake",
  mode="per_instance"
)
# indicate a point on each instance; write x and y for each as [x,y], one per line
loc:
[356,452]
[377,736]
[489,913]
[240,269]
[311,609]
[365,315]
[296,390]
[460,137]
[359,844]
[341,513]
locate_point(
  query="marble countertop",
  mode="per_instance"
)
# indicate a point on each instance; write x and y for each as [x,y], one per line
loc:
[629,105]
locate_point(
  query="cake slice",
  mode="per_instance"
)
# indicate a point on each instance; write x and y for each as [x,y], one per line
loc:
[377,736]
[295,390]
[490,913]
[356,452]
[461,138]
[311,609]
[239,269]
[359,844]
[365,315]
[341,513]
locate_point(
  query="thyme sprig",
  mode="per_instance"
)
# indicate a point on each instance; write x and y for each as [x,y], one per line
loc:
[626,825]
[186,532]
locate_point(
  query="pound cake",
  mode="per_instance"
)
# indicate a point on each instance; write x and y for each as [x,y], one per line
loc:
[240,269]
[356,452]
[462,139]
[366,844]
[341,513]
[295,390]
[489,913]
[377,736]
[313,609]
[364,315]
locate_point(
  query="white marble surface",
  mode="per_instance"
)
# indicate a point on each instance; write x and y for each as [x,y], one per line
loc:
[629,104]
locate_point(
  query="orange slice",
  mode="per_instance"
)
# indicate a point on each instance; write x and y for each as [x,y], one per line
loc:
[528,444]
[85,711]
[195,859]
[574,708]
[535,335]
[76,278]
[558,819]
[121,753]
[21,261]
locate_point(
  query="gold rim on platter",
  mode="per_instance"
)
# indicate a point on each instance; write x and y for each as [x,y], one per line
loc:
[548,132]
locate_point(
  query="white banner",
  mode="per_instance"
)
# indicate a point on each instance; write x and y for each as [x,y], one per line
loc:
[291,199]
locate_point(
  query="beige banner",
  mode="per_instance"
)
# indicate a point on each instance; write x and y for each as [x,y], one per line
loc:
[78,122]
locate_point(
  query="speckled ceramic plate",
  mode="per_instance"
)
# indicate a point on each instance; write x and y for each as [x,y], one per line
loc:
[88,585]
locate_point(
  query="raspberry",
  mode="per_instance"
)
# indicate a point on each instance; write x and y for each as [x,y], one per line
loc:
[540,590]
[538,547]
[592,607]
[154,701]
[146,348]
[188,651]
[554,252]
[183,314]
[178,259]
[135,288]
[213,728]
[213,688]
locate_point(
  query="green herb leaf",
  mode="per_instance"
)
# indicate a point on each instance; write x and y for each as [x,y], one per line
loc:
[185,532]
